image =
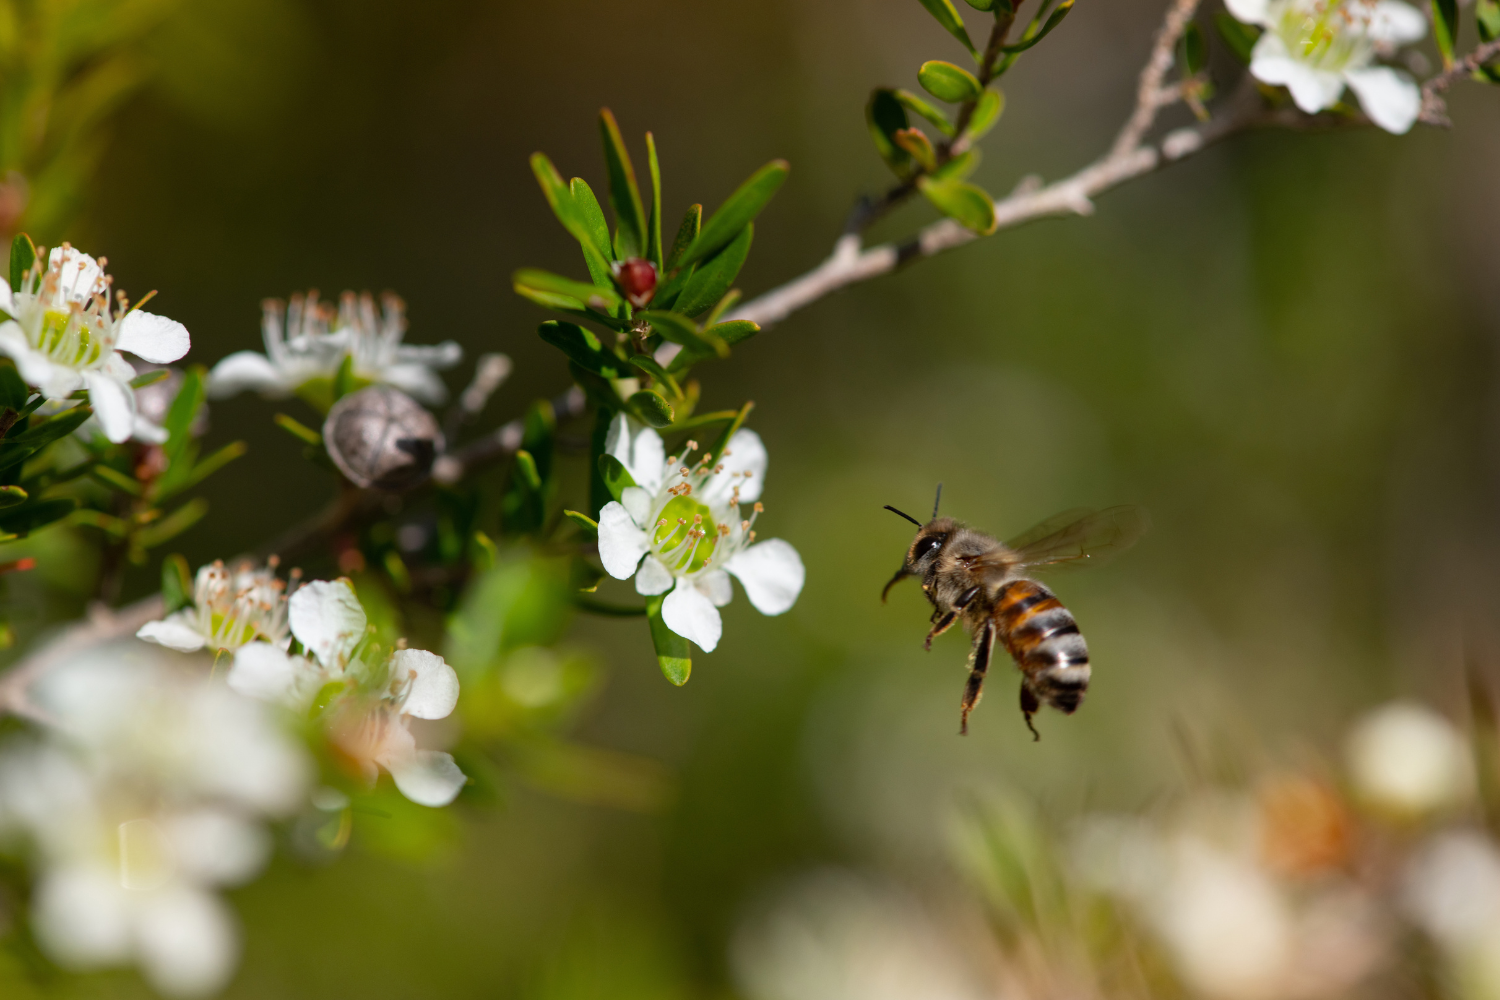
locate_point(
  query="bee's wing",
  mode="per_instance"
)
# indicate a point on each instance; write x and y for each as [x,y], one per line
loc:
[1079,537]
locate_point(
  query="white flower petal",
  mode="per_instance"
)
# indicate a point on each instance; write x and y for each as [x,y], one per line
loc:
[439,356]
[1395,23]
[638,503]
[1312,89]
[1249,11]
[265,673]
[152,337]
[327,619]
[188,941]
[639,449]
[417,381]
[1391,99]
[771,573]
[82,916]
[113,403]
[652,578]
[715,586]
[217,847]
[745,454]
[433,693]
[144,430]
[80,276]
[7,300]
[427,777]
[53,381]
[174,631]
[621,543]
[244,370]
[689,613]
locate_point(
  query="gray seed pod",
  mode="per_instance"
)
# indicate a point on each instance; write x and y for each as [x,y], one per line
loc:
[381,438]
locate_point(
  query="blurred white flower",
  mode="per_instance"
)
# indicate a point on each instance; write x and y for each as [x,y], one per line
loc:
[684,519]
[1451,887]
[377,697]
[306,343]
[836,936]
[64,336]
[229,609]
[1406,758]
[150,795]
[1315,47]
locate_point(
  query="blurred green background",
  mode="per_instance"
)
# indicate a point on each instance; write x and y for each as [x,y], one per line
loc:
[1283,347]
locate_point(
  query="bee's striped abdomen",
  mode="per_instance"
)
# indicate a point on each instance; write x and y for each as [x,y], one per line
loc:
[1043,638]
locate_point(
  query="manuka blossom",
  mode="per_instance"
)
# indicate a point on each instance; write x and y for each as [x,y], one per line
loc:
[375,696]
[679,529]
[1315,47]
[307,342]
[148,794]
[230,608]
[64,335]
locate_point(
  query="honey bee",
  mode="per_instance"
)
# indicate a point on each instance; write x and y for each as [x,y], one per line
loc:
[968,575]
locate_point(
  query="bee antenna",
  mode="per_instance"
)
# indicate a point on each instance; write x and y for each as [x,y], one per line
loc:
[903,514]
[937,500]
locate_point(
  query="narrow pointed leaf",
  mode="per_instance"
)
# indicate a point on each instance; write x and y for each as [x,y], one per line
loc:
[13,388]
[586,524]
[967,204]
[22,256]
[624,195]
[917,106]
[947,16]
[648,364]
[959,167]
[715,275]
[986,113]
[616,477]
[12,496]
[673,653]
[592,217]
[916,143]
[583,348]
[731,333]
[679,329]
[651,408]
[29,517]
[1445,28]
[176,583]
[686,234]
[554,290]
[948,82]
[560,197]
[738,211]
[1033,36]
[653,225]
[886,115]
[1240,37]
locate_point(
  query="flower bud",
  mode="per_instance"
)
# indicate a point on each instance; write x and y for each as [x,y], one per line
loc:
[637,279]
[381,438]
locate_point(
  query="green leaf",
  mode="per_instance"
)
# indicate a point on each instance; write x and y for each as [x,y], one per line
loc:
[948,82]
[1240,37]
[203,469]
[12,496]
[298,430]
[150,378]
[886,115]
[176,583]
[648,364]
[344,380]
[653,226]
[738,211]
[731,333]
[581,346]
[40,434]
[588,525]
[624,195]
[28,517]
[598,490]
[959,167]
[594,607]
[524,505]
[686,234]
[1445,28]
[1192,50]
[117,479]
[173,524]
[728,301]
[651,408]
[680,329]
[1487,19]
[22,256]
[526,469]
[967,204]
[560,197]
[985,5]
[592,216]
[714,276]
[716,448]
[557,292]
[986,113]
[13,388]
[916,143]
[184,410]
[948,17]
[1033,36]
[616,477]
[673,653]
[917,106]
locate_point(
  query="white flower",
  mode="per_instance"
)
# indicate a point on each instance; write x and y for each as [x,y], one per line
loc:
[149,796]
[229,609]
[378,697]
[306,343]
[1315,47]
[1409,759]
[684,519]
[63,336]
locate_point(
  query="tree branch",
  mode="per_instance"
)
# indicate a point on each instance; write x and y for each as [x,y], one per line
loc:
[1434,107]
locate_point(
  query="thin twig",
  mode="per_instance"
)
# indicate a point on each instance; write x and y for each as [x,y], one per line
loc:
[1434,107]
[502,441]
[1148,94]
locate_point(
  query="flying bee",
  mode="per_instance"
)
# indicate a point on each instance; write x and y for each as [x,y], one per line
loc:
[969,576]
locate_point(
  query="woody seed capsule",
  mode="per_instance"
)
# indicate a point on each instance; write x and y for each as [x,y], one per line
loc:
[381,438]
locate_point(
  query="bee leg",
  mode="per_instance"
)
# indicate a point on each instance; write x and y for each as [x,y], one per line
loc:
[939,628]
[979,665]
[1029,707]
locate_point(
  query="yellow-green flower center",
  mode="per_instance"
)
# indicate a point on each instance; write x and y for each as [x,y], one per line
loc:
[685,535]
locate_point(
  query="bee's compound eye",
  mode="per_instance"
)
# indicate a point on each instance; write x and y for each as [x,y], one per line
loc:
[925,547]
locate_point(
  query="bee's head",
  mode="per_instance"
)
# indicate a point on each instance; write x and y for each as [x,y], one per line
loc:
[925,548]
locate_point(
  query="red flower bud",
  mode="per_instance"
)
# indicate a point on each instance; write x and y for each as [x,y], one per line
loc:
[637,279]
